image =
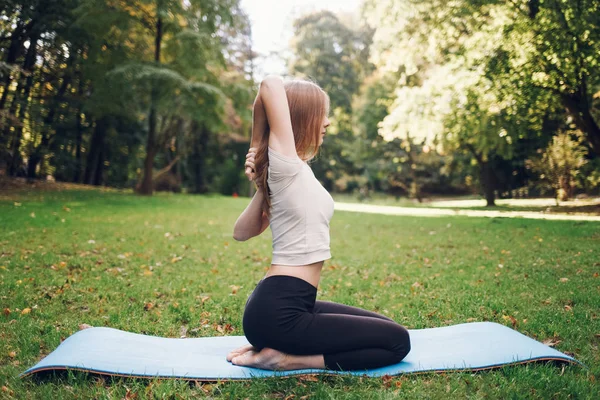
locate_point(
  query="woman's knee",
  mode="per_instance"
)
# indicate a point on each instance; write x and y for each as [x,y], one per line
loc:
[402,346]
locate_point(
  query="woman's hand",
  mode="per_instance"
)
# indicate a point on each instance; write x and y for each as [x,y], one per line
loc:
[250,167]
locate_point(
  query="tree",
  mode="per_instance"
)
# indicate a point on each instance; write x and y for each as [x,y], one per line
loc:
[447,89]
[332,50]
[559,164]
[177,86]
[554,46]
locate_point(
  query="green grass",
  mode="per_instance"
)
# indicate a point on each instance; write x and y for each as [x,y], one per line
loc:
[155,265]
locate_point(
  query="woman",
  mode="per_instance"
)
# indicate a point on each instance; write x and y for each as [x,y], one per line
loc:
[285,324]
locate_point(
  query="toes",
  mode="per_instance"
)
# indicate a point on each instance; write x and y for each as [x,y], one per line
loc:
[246,359]
[239,351]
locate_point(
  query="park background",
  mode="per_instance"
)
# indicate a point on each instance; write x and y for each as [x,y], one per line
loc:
[492,99]
[123,132]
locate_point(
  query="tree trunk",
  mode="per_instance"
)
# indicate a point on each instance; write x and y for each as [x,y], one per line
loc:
[35,157]
[97,177]
[95,156]
[15,161]
[78,143]
[79,128]
[578,107]
[487,179]
[198,160]
[39,152]
[147,185]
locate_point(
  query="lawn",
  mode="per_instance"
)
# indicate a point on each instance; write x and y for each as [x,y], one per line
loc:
[168,266]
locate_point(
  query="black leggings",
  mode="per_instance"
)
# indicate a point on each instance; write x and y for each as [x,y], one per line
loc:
[282,313]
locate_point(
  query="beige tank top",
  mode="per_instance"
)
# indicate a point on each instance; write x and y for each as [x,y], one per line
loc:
[301,209]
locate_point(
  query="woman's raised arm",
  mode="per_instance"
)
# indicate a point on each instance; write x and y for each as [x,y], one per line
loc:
[274,100]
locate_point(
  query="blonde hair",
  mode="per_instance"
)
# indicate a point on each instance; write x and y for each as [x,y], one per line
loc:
[309,105]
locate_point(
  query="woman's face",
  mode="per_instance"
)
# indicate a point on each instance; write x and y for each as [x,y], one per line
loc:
[326,123]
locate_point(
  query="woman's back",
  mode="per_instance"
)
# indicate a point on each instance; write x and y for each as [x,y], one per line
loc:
[301,210]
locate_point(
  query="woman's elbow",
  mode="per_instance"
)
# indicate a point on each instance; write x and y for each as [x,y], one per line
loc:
[269,82]
[239,236]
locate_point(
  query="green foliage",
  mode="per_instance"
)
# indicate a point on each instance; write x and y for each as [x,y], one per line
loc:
[486,79]
[105,86]
[558,165]
[332,52]
[127,88]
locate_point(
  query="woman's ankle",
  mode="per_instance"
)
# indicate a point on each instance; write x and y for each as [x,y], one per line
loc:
[303,362]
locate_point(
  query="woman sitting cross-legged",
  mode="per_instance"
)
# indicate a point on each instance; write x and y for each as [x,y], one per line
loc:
[286,326]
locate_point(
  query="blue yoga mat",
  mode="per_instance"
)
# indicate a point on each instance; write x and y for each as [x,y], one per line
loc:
[471,346]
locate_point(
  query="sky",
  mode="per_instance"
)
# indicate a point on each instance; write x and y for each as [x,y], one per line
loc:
[272,27]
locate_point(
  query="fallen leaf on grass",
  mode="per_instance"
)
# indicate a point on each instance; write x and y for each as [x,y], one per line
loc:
[387,380]
[12,354]
[568,308]
[223,328]
[26,311]
[309,378]
[205,387]
[129,395]
[564,279]
[6,311]
[551,342]
[234,288]
[510,318]
[84,326]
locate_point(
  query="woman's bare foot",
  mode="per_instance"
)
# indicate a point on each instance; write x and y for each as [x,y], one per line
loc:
[239,351]
[266,359]
[276,360]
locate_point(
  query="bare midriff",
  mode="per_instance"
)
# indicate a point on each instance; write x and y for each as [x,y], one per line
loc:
[310,273]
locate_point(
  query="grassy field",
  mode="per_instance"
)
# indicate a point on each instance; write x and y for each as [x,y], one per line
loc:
[167,266]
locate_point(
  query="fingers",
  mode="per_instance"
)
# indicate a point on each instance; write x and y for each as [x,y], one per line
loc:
[250,174]
[250,164]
